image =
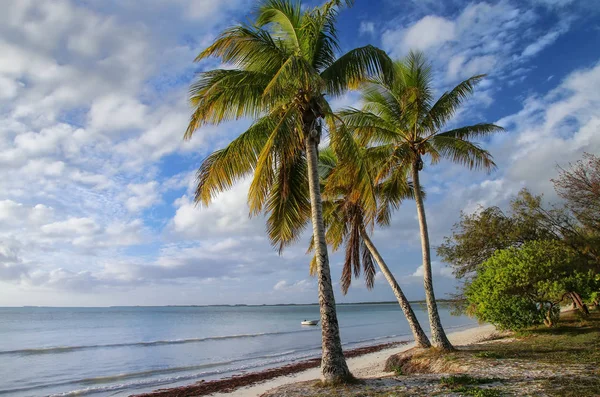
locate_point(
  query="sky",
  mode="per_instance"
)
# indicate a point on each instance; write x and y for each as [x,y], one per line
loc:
[96,194]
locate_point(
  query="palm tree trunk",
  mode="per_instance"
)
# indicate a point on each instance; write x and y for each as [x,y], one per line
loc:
[438,336]
[333,364]
[420,338]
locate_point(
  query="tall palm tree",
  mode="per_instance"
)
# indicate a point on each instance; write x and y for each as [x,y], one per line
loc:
[349,219]
[401,123]
[284,67]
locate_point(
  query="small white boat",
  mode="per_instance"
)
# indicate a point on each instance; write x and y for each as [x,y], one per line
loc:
[310,322]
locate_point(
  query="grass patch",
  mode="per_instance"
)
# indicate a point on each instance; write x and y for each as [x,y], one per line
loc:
[573,341]
[453,381]
[345,391]
[488,354]
[573,386]
[478,392]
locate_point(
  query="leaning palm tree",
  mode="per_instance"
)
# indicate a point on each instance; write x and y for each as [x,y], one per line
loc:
[283,67]
[401,123]
[349,220]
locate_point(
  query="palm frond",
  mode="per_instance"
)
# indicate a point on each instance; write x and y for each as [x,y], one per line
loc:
[447,105]
[288,204]
[354,67]
[285,18]
[367,127]
[481,130]
[221,95]
[462,152]
[368,266]
[220,170]
[284,142]
[248,48]
[294,75]
[312,266]
[327,162]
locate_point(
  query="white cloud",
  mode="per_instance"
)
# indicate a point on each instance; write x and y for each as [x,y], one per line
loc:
[366,28]
[547,39]
[298,286]
[437,269]
[142,195]
[228,214]
[491,38]
[114,112]
[428,33]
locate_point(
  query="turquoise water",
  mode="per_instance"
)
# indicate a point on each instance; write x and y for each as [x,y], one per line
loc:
[125,350]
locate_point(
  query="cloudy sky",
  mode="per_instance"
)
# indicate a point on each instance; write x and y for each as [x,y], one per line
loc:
[95,194]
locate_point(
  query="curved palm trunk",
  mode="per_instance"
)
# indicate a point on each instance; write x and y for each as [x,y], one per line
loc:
[438,336]
[418,333]
[333,364]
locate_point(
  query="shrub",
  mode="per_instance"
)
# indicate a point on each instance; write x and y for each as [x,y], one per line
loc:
[520,287]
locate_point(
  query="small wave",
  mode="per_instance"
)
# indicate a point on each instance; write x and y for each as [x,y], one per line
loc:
[67,349]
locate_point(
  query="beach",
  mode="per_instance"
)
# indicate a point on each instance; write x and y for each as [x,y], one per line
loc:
[365,366]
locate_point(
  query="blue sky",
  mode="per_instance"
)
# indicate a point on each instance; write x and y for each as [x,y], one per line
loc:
[95,198]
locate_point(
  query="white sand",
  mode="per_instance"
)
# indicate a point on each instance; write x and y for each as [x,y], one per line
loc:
[365,366]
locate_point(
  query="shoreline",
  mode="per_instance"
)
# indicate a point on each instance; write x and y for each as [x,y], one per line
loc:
[364,362]
[232,383]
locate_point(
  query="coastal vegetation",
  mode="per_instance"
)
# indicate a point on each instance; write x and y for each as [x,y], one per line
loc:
[519,268]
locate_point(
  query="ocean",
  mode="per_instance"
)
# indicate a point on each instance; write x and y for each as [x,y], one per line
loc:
[119,351]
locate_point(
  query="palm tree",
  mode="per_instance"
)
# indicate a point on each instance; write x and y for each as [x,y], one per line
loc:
[284,67]
[400,123]
[348,218]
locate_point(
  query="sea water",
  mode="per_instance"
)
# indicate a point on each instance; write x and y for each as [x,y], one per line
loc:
[125,350]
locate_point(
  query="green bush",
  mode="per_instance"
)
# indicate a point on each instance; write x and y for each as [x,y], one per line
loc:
[520,287]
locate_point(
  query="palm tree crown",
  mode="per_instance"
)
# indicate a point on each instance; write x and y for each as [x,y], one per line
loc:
[402,123]
[285,66]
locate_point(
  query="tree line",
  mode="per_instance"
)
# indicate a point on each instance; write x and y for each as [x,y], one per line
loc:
[283,67]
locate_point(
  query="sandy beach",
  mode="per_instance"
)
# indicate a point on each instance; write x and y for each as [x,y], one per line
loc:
[363,366]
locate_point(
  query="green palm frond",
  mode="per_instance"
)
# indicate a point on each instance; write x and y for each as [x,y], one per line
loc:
[447,105]
[283,143]
[294,75]
[463,152]
[354,67]
[352,166]
[249,48]
[368,127]
[288,203]
[416,78]
[220,170]
[327,162]
[221,95]
[384,104]
[481,130]
[391,193]
[285,18]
